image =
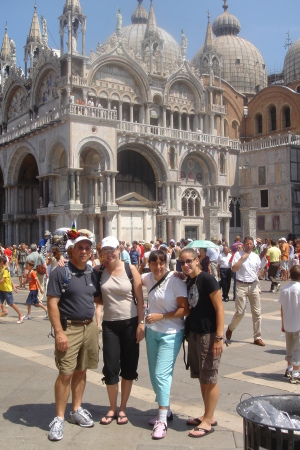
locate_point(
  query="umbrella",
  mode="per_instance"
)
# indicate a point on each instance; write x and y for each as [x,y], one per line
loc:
[60,231]
[202,244]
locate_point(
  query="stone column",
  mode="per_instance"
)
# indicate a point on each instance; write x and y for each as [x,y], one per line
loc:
[131,112]
[120,110]
[168,196]
[77,187]
[41,226]
[171,119]
[101,234]
[90,192]
[226,229]
[28,234]
[177,236]
[147,115]
[154,224]
[108,228]
[101,192]
[17,231]
[180,121]
[108,189]
[145,219]
[113,188]
[96,191]
[211,220]
[188,126]
[72,193]
[169,230]
[249,221]
[119,226]
[216,196]
[222,200]
[91,222]
[164,117]
[164,228]
[47,223]
[51,202]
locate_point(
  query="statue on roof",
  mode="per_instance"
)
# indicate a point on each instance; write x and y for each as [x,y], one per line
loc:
[184,43]
[119,23]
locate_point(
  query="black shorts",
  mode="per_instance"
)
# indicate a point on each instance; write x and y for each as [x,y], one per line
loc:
[120,350]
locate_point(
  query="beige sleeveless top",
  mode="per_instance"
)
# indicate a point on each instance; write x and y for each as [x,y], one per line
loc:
[117,297]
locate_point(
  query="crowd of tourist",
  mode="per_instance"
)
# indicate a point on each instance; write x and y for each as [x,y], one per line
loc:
[186,288]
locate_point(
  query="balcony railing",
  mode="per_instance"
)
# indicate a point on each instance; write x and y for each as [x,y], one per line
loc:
[92,111]
[73,79]
[270,142]
[176,135]
[218,109]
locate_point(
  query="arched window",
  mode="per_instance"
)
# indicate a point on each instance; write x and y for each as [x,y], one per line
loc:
[286,117]
[190,203]
[258,124]
[272,119]
[234,208]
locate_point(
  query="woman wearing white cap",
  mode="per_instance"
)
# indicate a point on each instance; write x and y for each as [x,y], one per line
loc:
[122,327]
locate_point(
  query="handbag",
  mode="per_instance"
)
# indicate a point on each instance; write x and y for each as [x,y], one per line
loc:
[41,269]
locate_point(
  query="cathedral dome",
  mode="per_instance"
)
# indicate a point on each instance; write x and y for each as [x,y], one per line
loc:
[135,35]
[242,63]
[291,68]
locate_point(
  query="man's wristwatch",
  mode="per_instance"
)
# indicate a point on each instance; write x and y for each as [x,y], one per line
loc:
[141,322]
[219,338]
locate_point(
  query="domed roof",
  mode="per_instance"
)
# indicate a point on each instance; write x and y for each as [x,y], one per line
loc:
[242,63]
[135,34]
[291,68]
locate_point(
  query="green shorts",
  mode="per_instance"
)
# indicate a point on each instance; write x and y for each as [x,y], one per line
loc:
[83,351]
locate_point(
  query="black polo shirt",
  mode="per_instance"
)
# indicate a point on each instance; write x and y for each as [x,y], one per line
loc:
[77,303]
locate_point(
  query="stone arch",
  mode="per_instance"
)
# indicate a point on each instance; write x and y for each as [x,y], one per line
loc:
[258,123]
[272,118]
[57,155]
[15,103]
[15,162]
[185,90]
[208,165]
[101,147]
[156,161]
[49,71]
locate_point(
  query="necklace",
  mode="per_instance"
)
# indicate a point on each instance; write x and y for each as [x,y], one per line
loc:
[193,296]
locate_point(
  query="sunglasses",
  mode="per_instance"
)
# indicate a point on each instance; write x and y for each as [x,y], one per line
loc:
[187,261]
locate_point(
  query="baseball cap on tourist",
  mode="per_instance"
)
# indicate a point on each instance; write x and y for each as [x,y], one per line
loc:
[110,241]
[82,238]
[282,239]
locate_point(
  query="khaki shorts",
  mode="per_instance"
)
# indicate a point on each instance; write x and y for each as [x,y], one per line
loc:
[83,351]
[203,364]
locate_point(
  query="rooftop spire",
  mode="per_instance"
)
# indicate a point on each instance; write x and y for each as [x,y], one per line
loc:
[140,15]
[225,6]
[151,25]
[74,5]
[35,34]
[5,49]
[209,34]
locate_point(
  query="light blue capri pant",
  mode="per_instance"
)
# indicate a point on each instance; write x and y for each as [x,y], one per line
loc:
[162,351]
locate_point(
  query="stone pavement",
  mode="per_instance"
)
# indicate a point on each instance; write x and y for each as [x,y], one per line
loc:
[28,374]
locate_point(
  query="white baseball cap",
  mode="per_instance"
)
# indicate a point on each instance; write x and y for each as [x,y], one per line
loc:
[282,239]
[110,241]
[82,238]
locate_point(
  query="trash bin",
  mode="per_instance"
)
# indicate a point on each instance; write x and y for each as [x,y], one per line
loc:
[258,436]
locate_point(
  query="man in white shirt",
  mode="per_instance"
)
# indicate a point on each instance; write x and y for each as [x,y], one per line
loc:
[246,264]
[224,272]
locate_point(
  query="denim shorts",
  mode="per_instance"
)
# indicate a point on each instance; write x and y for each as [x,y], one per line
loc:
[32,298]
[8,296]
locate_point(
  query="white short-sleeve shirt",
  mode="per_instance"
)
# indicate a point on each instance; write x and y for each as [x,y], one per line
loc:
[250,267]
[163,300]
[224,261]
[289,299]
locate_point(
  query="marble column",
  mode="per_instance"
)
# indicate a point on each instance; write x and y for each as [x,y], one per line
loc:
[51,202]
[108,189]
[119,225]
[131,112]
[171,119]
[101,192]
[168,196]
[72,193]
[169,230]
[164,228]
[47,223]
[222,200]
[41,226]
[164,117]
[113,188]
[154,224]
[101,234]
[17,233]
[77,188]
[226,230]
[177,236]
[28,234]
[145,225]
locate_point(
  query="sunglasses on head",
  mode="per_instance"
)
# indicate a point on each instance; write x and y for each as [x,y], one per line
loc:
[187,261]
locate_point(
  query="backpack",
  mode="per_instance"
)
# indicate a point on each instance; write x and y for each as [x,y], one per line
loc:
[128,273]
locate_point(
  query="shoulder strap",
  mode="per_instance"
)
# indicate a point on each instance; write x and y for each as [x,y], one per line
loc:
[101,270]
[158,283]
[67,278]
[129,274]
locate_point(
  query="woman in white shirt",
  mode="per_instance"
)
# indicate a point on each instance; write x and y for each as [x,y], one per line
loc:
[168,304]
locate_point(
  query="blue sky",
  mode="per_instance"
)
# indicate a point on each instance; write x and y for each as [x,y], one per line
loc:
[265,23]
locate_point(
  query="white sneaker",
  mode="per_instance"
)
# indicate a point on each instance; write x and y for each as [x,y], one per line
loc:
[27,317]
[21,319]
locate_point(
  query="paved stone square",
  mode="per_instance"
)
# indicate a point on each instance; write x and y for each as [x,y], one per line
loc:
[28,374]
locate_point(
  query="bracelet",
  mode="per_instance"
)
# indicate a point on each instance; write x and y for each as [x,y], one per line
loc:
[219,338]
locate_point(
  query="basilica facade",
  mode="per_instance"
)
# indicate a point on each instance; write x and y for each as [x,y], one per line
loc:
[133,140]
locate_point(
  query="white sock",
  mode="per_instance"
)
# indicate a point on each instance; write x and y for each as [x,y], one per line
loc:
[290,368]
[162,416]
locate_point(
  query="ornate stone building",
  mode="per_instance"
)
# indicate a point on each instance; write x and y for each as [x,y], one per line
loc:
[134,140]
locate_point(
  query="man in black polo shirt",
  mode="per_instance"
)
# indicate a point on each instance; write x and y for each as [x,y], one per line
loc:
[71,296]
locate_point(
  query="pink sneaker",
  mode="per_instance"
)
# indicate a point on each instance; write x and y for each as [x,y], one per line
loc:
[159,430]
